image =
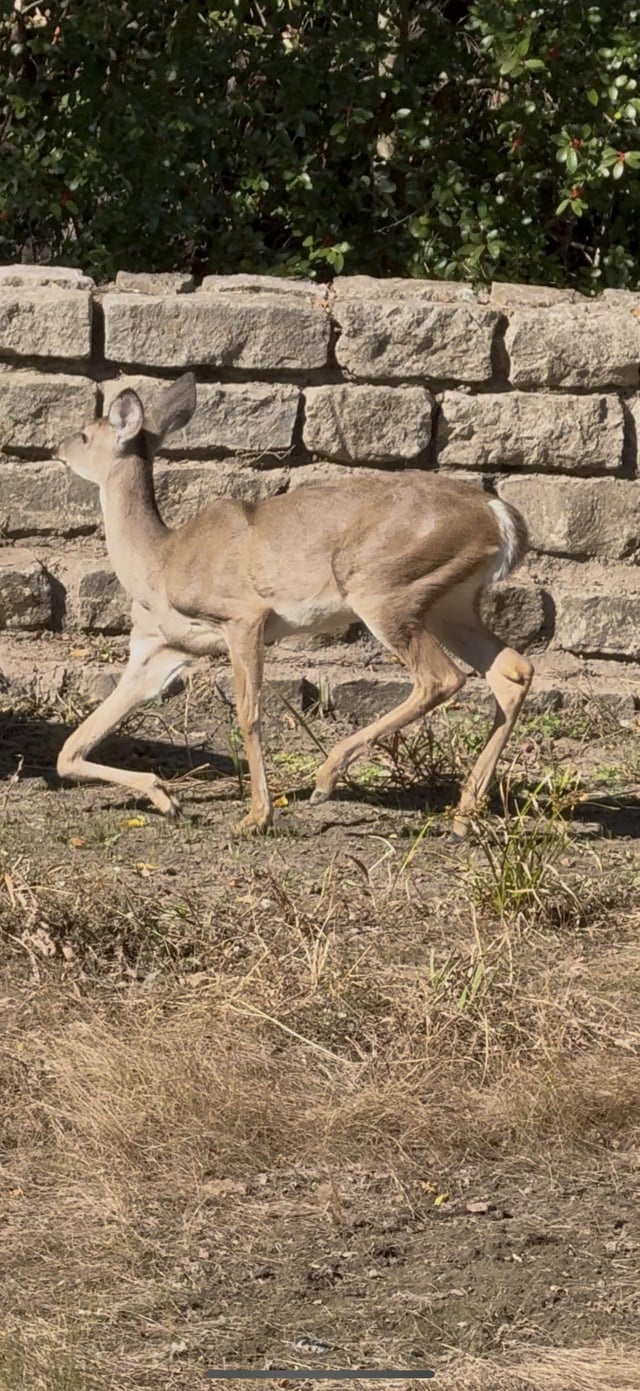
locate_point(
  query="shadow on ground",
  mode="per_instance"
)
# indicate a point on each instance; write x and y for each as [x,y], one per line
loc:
[37,742]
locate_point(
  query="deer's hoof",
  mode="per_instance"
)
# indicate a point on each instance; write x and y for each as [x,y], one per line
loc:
[166,803]
[252,825]
[318,796]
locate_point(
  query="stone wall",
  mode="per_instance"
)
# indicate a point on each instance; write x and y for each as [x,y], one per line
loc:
[533,391]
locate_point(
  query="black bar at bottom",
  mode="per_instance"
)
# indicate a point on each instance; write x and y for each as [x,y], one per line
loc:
[312,1374]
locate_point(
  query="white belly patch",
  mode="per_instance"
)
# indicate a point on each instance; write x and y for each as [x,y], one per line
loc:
[308,616]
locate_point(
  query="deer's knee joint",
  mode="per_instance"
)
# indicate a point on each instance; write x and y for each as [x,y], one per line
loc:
[515,668]
[520,670]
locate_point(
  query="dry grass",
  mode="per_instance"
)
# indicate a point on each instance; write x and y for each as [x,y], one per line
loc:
[599,1368]
[265,1056]
[46,1364]
[45,1360]
[349,1019]
[168,1089]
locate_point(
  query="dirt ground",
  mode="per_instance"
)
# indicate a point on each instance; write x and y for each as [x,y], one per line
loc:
[343,1096]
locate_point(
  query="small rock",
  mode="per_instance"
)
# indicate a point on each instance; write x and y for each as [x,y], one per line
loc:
[311,1345]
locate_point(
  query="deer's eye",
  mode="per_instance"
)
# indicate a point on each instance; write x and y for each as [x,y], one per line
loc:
[84,438]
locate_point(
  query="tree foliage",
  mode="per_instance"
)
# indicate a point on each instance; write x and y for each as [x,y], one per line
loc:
[491,139]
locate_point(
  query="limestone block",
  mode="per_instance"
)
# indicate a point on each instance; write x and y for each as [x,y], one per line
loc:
[267,332]
[375,424]
[517,429]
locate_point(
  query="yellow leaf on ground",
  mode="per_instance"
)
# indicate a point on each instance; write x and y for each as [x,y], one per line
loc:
[281,801]
[135,821]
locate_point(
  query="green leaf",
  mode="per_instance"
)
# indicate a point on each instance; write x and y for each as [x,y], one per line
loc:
[618,169]
[592,96]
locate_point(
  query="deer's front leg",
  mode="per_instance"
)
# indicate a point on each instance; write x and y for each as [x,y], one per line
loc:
[150,667]
[246,649]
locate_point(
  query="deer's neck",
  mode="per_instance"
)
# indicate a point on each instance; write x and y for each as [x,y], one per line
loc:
[135,533]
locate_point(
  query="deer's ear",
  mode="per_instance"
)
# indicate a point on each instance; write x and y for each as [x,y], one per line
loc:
[126,416]
[172,408]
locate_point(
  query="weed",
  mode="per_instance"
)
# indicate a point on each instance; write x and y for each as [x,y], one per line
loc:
[519,876]
[436,753]
[303,723]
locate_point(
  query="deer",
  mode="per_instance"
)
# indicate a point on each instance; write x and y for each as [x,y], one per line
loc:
[408,554]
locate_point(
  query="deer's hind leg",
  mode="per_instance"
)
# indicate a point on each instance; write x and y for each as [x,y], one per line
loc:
[435,678]
[509,676]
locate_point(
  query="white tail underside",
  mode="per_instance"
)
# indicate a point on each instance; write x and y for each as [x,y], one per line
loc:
[510,552]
